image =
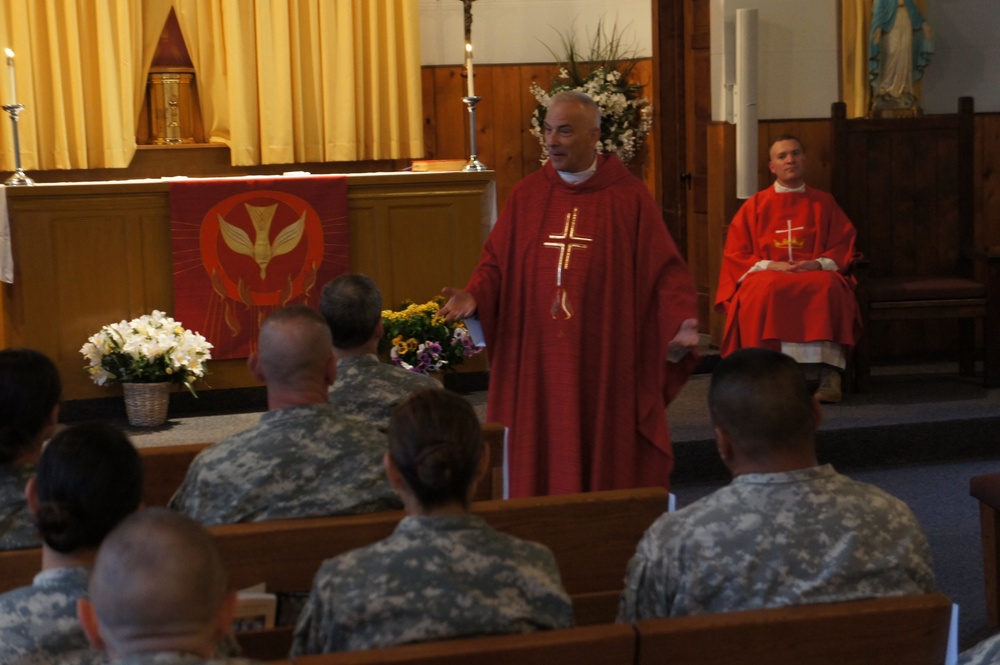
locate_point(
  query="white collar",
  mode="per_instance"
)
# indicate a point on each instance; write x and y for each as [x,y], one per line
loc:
[781,189]
[577,178]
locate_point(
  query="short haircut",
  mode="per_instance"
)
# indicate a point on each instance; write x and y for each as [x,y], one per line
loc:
[784,137]
[436,442]
[294,346]
[352,307]
[30,388]
[761,399]
[158,575]
[578,97]
[89,479]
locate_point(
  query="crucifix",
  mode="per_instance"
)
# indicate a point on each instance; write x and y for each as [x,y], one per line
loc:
[788,232]
[565,243]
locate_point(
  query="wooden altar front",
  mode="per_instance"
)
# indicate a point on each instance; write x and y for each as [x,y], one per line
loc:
[89,254]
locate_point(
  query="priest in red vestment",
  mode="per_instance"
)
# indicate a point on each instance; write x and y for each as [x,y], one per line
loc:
[784,283]
[589,315]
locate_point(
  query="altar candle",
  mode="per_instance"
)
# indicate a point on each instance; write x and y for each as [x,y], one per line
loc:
[468,68]
[10,68]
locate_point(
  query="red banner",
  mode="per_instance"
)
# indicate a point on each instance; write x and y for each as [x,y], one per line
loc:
[245,247]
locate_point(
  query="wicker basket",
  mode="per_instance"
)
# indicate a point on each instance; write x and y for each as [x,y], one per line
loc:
[146,403]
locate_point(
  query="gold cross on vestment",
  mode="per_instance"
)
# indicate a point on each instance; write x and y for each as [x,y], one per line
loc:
[788,233]
[567,242]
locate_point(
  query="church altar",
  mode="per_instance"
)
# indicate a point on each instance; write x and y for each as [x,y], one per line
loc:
[88,254]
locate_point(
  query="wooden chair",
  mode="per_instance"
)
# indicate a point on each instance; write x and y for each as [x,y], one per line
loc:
[907,185]
[877,631]
[986,488]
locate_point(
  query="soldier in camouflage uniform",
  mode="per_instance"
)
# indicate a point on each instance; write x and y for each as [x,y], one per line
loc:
[158,595]
[366,389]
[443,573]
[89,479]
[785,531]
[986,652]
[302,459]
[30,390]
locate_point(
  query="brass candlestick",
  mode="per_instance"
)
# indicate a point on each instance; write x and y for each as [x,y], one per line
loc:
[19,178]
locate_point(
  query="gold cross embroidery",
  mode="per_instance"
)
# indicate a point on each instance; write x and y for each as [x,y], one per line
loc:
[789,241]
[565,243]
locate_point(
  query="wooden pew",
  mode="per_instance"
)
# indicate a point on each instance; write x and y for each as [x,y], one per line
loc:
[592,645]
[164,469]
[876,631]
[592,536]
[986,488]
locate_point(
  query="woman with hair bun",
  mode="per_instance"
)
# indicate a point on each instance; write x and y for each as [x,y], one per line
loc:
[89,479]
[443,573]
[30,391]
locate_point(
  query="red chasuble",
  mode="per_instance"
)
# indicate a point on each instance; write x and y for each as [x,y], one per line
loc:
[770,307]
[580,290]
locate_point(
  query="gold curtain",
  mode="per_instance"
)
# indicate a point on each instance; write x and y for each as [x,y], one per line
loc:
[80,77]
[307,80]
[279,81]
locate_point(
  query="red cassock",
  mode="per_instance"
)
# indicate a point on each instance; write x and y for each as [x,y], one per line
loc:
[580,290]
[770,307]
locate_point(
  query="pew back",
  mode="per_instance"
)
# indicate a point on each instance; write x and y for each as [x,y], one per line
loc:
[876,631]
[593,645]
[164,469]
[592,536]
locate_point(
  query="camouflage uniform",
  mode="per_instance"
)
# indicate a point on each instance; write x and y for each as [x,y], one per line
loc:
[435,577]
[367,389]
[299,461]
[986,652]
[774,539]
[17,527]
[41,618]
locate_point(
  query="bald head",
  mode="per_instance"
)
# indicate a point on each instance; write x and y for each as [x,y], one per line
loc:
[158,584]
[294,347]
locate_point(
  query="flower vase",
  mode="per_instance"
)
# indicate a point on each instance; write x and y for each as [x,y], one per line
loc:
[146,403]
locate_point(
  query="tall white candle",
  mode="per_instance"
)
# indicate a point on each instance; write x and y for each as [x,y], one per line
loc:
[468,68]
[10,69]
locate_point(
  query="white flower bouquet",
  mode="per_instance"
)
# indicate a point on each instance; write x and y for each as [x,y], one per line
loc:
[153,348]
[626,117]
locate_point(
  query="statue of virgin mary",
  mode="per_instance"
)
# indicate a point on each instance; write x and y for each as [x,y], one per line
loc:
[899,49]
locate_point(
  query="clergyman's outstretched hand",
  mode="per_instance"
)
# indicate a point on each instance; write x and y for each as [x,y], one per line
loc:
[461,304]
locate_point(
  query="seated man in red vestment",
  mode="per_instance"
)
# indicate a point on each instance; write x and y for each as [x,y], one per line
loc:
[582,296]
[784,282]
